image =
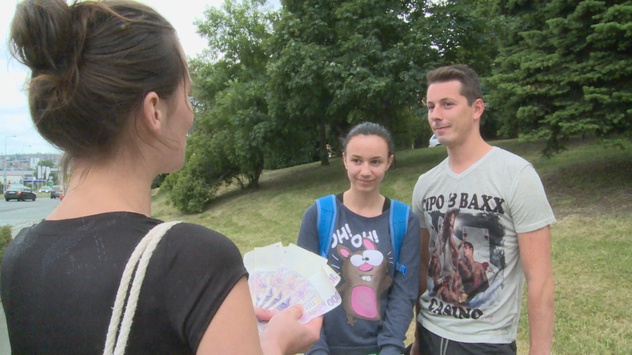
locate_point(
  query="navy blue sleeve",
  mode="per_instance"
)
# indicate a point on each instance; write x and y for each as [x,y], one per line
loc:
[403,293]
[308,234]
[308,239]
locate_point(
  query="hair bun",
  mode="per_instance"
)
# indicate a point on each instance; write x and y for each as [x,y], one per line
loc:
[41,35]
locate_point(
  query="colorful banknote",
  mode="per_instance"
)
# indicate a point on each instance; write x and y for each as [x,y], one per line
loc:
[284,276]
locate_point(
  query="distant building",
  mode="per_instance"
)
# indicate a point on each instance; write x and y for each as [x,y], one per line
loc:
[18,176]
[21,168]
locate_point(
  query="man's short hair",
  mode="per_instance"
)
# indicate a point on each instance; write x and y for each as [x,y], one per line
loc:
[470,83]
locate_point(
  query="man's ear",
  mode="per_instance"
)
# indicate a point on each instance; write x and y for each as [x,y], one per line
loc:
[479,107]
[153,112]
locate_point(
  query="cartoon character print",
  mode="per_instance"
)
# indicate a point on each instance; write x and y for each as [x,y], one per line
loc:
[365,274]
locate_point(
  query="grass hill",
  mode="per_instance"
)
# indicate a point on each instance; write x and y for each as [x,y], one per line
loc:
[589,187]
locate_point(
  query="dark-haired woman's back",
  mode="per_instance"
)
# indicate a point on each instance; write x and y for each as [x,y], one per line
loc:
[60,280]
[110,87]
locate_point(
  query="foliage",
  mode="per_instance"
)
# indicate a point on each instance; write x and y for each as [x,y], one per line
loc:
[48,163]
[341,63]
[276,89]
[459,32]
[5,239]
[379,64]
[299,97]
[230,136]
[210,164]
[563,70]
[239,113]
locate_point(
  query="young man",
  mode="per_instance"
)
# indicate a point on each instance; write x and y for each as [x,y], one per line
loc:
[485,217]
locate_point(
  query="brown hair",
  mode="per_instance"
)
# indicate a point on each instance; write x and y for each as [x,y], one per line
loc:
[370,129]
[470,83]
[92,64]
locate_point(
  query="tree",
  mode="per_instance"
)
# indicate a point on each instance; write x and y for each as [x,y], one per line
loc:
[459,32]
[380,63]
[230,136]
[275,89]
[563,69]
[341,63]
[605,76]
[299,97]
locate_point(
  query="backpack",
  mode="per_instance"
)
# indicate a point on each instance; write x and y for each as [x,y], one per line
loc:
[327,215]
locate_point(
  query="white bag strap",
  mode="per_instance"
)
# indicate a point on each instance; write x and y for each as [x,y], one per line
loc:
[140,257]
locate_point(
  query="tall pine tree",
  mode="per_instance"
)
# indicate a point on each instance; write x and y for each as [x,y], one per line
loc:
[563,70]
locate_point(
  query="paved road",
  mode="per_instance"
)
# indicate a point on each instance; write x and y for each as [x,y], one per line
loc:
[25,213]
[20,215]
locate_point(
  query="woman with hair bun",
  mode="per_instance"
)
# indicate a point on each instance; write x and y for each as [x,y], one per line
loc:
[109,87]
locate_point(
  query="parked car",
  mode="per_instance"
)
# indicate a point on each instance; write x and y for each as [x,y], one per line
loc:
[45,189]
[433,141]
[57,192]
[20,193]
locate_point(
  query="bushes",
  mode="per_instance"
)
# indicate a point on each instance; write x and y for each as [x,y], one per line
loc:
[5,238]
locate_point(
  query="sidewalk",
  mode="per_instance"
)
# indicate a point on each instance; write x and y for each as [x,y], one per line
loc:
[5,347]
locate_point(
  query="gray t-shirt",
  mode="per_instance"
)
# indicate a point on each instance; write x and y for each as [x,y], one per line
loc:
[473,219]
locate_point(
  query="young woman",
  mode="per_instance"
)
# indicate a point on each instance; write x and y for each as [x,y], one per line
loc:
[378,298]
[110,87]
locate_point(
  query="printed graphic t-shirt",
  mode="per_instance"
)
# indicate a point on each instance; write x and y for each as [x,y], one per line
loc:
[377,302]
[475,279]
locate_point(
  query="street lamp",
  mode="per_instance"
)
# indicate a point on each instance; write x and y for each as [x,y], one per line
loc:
[4,186]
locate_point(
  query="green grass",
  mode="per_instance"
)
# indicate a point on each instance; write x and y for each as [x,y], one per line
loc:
[589,187]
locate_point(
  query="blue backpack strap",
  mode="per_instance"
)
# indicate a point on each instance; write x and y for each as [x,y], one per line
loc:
[326,222]
[399,226]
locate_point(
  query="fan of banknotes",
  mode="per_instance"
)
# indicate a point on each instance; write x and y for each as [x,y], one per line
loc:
[281,277]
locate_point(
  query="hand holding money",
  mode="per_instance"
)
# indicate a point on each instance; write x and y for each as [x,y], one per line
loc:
[281,277]
[285,334]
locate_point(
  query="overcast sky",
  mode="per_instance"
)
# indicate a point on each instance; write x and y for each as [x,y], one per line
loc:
[14,113]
